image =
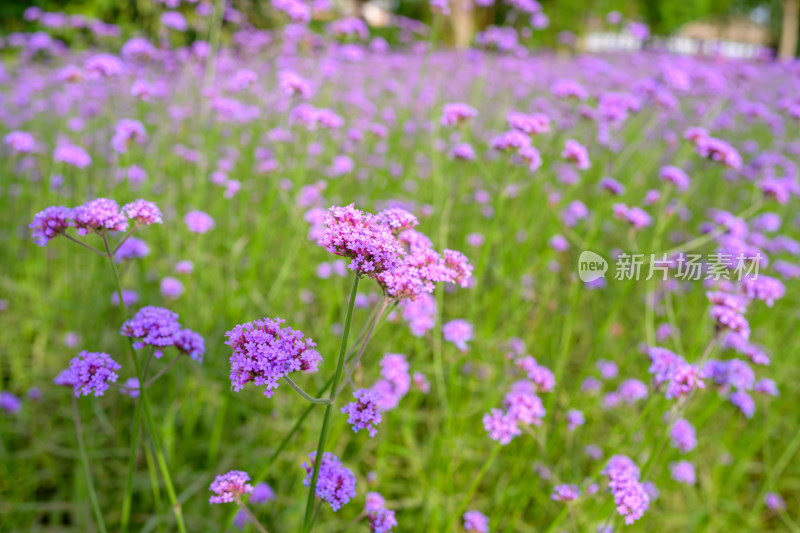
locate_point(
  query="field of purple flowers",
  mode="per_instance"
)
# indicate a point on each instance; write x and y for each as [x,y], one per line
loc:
[224,260]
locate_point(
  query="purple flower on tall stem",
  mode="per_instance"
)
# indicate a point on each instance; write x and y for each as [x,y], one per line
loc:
[629,494]
[152,326]
[576,153]
[229,487]
[363,413]
[143,212]
[336,484]
[99,215]
[565,493]
[502,427]
[476,522]
[457,113]
[198,221]
[91,372]
[50,223]
[263,352]
[459,332]
[683,435]
[362,237]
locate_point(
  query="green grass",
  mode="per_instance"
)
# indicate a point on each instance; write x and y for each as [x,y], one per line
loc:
[432,456]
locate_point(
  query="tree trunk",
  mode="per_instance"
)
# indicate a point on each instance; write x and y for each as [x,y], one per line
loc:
[462,16]
[791,13]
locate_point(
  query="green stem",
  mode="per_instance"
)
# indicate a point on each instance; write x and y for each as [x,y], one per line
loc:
[126,502]
[473,487]
[323,435]
[76,417]
[176,506]
[304,394]
[252,517]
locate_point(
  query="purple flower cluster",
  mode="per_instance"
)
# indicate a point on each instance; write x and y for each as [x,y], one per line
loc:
[96,216]
[457,113]
[565,493]
[229,487]
[630,496]
[459,332]
[381,519]
[263,352]
[476,521]
[683,435]
[159,328]
[395,381]
[91,372]
[336,484]
[364,412]
[362,237]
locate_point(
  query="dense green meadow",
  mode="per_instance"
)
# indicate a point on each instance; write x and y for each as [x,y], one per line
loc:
[431,459]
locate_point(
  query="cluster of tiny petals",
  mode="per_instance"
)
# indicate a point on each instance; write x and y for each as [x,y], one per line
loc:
[91,372]
[576,153]
[683,435]
[381,519]
[336,484]
[263,352]
[629,494]
[531,124]
[230,487]
[456,113]
[363,413]
[99,215]
[152,326]
[685,379]
[397,219]
[523,405]
[476,522]
[565,493]
[143,212]
[764,288]
[502,427]
[190,343]
[50,223]
[370,244]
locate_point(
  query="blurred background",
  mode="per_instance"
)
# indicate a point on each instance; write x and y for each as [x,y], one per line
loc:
[736,28]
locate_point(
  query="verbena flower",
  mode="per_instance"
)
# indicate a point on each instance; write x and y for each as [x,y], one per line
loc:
[335,484]
[395,381]
[143,212]
[99,215]
[364,412]
[50,223]
[683,472]
[264,352]
[575,419]
[21,142]
[459,332]
[523,405]
[10,403]
[91,372]
[152,326]
[476,521]
[565,493]
[502,427]
[229,487]
[683,435]
[198,222]
[362,237]
[576,153]
[457,113]
[132,248]
[262,493]
[629,495]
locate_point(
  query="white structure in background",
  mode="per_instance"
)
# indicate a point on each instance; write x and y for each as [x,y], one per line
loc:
[621,42]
